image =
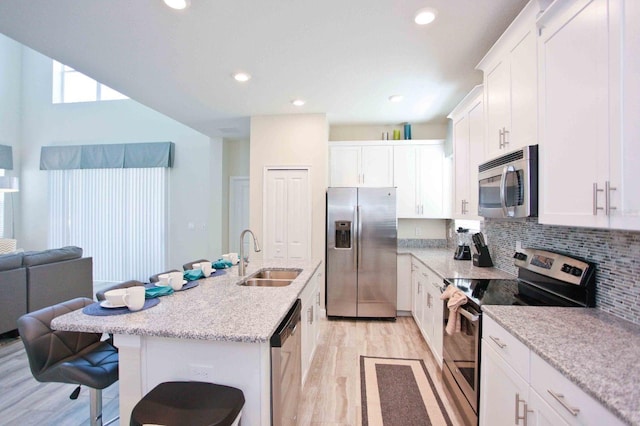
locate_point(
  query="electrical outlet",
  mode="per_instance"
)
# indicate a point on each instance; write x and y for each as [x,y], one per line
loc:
[418,231]
[518,245]
[200,372]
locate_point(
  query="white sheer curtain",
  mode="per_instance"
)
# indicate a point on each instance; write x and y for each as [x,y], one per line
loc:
[117,216]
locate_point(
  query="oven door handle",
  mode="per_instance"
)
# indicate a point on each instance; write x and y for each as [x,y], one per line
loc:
[468,315]
[503,191]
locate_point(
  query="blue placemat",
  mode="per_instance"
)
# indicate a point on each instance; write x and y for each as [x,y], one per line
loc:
[96,310]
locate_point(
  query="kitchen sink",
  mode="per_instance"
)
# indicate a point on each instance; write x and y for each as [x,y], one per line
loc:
[276,274]
[265,282]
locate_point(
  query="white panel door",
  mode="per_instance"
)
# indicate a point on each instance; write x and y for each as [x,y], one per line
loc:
[287,214]
[238,212]
[344,166]
[377,166]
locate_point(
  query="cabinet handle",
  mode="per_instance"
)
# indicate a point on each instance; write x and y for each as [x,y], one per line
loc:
[464,206]
[607,197]
[526,410]
[498,342]
[595,199]
[560,398]
[505,141]
[312,315]
[419,285]
[500,134]
[428,300]
[318,299]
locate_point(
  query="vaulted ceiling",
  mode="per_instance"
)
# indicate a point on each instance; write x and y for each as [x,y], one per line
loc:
[343,57]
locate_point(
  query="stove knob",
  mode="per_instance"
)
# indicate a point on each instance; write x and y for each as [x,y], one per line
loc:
[576,271]
[566,268]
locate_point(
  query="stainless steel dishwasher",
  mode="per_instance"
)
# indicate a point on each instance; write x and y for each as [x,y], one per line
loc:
[286,369]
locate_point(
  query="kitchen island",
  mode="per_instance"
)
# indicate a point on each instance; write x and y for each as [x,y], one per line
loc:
[217,332]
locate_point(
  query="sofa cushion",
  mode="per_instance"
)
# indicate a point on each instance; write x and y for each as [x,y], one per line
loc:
[11,261]
[33,258]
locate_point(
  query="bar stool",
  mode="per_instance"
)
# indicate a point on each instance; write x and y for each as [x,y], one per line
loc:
[189,403]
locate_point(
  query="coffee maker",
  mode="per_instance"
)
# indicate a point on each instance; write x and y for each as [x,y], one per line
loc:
[463,251]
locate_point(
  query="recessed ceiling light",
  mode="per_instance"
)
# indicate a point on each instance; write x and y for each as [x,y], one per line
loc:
[298,102]
[241,76]
[177,4]
[425,16]
[396,98]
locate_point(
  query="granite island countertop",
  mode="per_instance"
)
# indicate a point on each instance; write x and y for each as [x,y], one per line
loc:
[217,309]
[597,351]
[441,262]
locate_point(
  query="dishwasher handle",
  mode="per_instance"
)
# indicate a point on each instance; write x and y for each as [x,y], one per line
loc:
[287,327]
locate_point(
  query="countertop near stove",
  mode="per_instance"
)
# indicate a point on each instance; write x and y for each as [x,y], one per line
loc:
[597,351]
[441,262]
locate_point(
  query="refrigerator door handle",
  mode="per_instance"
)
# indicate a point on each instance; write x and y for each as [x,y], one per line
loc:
[359,249]
[356,241]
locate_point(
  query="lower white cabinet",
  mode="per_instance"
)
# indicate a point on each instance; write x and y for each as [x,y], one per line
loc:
[310,299]
[517,387]
[427,308]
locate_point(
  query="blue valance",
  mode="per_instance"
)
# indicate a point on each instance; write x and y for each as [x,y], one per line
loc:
[110,156]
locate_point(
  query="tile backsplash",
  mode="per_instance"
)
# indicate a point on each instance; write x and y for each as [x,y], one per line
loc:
[421,243]
[616,254]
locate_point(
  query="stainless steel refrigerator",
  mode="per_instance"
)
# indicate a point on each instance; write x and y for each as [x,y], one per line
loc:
[361,252]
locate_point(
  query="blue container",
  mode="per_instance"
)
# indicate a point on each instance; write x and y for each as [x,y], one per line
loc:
[407,131]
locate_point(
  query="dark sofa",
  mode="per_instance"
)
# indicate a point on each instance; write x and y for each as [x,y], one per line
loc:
[33,280]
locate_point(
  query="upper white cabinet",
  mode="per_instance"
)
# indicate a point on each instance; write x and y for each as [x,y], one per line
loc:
[370,165]
[419,176]
[510,90]
[589,70]
[468,149]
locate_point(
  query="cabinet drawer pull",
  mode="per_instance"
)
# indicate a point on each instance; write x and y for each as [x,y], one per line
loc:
[595,199]
[498,342]
[560,398]
[607,197]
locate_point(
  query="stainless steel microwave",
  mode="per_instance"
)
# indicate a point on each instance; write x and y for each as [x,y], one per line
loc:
[508,185]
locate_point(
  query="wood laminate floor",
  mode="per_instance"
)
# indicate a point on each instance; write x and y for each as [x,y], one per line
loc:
[331,395]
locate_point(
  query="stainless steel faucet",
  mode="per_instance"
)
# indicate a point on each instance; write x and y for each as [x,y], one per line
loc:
[256,248]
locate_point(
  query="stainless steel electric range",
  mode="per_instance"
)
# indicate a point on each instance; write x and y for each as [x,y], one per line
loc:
[544,279]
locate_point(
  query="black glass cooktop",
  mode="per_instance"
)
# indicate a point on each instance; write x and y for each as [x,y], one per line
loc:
[487,292]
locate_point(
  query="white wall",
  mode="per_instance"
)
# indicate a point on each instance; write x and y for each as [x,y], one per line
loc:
[422,229]
[10,108]
[195,179]
[291,140]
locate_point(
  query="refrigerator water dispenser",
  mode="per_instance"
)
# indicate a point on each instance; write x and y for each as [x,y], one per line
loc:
[343,234]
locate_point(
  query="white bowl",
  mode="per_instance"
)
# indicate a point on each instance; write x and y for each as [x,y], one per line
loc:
[116,297]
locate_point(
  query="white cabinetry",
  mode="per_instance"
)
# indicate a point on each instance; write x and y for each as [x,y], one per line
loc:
[427,306]
[370,165]
[510,86]
[404,281]
[517,387]
[310,300]
[589,65]
[419,176]
[468,148]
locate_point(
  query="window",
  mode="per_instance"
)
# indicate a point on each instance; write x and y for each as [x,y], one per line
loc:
[117,216]
[71,86]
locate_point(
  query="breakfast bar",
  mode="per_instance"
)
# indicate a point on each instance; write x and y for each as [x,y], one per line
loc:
[216,332]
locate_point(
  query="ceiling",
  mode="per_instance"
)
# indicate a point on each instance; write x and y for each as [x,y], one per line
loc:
[344,57]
